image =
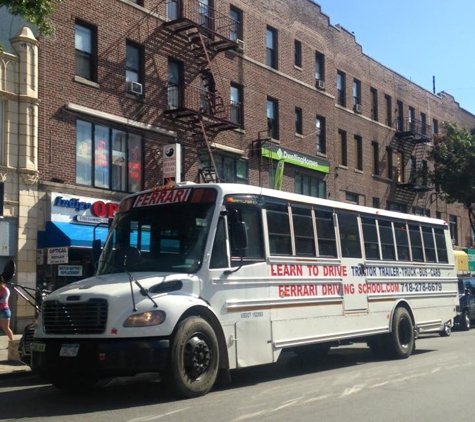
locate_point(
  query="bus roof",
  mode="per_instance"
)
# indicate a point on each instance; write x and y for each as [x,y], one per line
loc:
[236,188]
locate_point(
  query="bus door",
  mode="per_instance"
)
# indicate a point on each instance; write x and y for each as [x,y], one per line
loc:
[355,298]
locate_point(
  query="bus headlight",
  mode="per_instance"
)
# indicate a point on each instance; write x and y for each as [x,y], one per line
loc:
[145,319]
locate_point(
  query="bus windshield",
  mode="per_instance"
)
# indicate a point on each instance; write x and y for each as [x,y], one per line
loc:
[170,238]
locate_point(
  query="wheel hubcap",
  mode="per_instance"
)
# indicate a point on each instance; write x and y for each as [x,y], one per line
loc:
[197,357]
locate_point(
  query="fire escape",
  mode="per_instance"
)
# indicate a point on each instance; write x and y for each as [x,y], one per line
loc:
[199,107]
[413,137]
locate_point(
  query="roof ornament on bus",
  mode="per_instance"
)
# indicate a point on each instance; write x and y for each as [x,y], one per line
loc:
[129,256]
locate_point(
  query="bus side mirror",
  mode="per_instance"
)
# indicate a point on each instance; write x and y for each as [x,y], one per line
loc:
[238,231]
[8,271]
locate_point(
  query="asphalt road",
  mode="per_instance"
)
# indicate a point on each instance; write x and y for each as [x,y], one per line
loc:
[434,384]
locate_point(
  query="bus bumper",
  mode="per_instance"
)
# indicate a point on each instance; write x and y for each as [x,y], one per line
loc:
[110,358]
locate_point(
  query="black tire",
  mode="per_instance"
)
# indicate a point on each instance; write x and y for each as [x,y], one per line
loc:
[400,341]
[78,383]
[465,321]
[446,331]
[194,357]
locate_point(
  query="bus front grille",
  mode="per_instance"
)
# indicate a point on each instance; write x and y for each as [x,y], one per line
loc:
[75,318]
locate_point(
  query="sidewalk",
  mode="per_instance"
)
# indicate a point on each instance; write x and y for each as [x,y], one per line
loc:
[10,367]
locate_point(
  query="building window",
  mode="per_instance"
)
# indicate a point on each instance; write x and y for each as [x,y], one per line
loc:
[356,93]
[376,202]
[375,147]
[352,197]
[343,148]
[271,47]
[231,169]
[235,31]
[173,9]
[453,226]
[107,158]
[423,124]
[358,153]
[435,126]
[395,206]
[311,186]
[139,2]
[175,84]
[298,121]
[236,114]
[400,167]
[86,51]
[341,87]
[400,115]
[321,136]
[319,66]
[424,212]
[133,63]
[374,104]
[389,152]
[412,118]
[273,118]
[297,53]
[389,111]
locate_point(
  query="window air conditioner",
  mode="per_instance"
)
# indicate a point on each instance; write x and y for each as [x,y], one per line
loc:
[240,44]
[319,84]
[357,108]
[134,88]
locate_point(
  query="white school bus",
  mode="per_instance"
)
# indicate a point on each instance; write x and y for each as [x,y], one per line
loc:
[196,280]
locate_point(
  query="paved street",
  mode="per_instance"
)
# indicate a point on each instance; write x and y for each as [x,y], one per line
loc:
[435,384]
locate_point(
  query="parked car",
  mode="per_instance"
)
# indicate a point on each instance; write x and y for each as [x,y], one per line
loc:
[466,310]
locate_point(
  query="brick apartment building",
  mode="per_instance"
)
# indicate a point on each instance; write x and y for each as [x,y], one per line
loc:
[233,87]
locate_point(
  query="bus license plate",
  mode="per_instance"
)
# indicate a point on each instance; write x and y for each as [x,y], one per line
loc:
[69,350]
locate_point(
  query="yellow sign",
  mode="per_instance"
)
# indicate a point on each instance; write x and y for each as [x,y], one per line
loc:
[279,175]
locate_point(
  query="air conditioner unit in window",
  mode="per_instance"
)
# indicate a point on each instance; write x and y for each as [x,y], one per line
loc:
[357,108]
[319,84]
[134,88]
[240,44]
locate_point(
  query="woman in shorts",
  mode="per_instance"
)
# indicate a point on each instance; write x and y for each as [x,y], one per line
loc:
[5,313]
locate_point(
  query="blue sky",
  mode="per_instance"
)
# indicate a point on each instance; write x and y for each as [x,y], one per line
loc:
[418,39]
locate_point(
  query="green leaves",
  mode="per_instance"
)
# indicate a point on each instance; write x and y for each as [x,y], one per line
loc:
[34,11]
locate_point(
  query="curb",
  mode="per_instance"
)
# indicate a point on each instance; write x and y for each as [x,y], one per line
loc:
[16,374]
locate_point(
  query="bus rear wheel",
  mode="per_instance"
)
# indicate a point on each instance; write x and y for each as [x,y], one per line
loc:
[401,340]
[194,357]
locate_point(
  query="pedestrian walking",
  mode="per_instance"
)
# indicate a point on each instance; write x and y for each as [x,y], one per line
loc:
[5,313]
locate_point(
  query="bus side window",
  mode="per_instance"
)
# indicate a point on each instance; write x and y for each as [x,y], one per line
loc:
[402,242]
[349,234]
[370,236]
[219,255]
[325,233]
[441,245]
[416,243]
[255,246]
[429,244]
[303,231]
[278,225]
[386,236]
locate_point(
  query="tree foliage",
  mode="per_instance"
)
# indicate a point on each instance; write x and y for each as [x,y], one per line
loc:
[34,11]
[453,156]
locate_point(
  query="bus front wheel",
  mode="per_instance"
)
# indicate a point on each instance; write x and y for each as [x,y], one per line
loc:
[401,340]
[194,357]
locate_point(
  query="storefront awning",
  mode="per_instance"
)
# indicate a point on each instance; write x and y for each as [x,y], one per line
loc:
[58,234]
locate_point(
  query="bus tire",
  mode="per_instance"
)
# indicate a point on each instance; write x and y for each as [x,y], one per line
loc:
[465,321]
[400,341]
[194,358]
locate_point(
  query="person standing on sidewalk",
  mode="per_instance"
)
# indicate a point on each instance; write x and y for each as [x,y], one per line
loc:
[5,313]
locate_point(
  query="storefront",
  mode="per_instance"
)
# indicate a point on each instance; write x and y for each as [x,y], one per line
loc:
[65,246]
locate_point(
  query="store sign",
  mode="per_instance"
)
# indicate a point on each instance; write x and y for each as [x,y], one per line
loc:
[471,260]
[70,270]
[296,158]
[67,208]
[171,164]
[57,256]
